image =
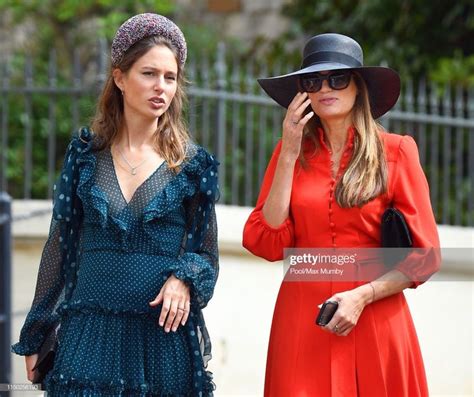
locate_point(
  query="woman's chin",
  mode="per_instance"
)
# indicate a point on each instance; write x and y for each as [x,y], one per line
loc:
[332,115]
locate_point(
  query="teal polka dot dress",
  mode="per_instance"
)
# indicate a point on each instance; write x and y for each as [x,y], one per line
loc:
[106,259]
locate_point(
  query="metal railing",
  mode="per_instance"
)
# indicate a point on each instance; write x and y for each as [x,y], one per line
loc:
[232,117]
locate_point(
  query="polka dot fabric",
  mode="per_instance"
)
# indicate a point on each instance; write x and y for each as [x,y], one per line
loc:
[110,343]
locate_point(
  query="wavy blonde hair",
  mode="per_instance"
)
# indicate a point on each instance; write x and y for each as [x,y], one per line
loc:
[171,135]
[365,177]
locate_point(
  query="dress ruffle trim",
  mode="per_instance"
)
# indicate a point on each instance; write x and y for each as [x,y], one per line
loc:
[199,174]
[63,385]
[187,270]
[59,385]
[27,348]
[88,307]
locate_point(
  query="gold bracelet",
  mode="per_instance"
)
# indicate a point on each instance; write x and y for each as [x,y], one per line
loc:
[373,292]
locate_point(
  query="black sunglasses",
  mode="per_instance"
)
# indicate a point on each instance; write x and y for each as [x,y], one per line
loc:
[336,80]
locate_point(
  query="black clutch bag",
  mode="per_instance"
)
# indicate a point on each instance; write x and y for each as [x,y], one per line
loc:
[395,234]
[46,356]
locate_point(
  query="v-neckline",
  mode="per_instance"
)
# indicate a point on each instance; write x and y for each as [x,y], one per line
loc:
[127,203]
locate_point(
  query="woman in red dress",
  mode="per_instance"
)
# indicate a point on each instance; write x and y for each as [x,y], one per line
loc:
[332,175]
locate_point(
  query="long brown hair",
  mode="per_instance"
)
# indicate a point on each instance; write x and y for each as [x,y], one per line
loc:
[366,174]
[171,135]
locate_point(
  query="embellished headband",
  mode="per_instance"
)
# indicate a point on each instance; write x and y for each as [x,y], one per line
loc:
[144,25]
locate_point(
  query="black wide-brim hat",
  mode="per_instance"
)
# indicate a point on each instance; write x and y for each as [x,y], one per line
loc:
[333,51]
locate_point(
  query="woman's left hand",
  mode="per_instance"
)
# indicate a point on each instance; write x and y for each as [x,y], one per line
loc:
[175,296]
[351,305]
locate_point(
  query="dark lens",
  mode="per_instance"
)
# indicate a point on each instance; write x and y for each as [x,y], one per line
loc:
[339,81]
[311,84]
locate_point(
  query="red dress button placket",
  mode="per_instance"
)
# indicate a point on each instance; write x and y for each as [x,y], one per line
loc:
[341,169]
[331,198]
[331,193]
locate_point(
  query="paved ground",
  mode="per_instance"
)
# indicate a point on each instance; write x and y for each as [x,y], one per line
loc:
[239,319]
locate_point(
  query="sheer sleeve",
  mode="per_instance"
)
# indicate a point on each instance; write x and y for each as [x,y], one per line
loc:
[42,318]
[411,197]
[199,264]
[259,237]
[57,271]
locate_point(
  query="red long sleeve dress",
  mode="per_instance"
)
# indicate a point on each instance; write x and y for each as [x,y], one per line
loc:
[381,356]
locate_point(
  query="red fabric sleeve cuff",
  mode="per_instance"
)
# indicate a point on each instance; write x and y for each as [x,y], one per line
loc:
[286,224]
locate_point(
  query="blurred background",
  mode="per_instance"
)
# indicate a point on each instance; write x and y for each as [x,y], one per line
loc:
[54,58]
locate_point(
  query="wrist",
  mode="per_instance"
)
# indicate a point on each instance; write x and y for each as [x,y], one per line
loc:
[367,293]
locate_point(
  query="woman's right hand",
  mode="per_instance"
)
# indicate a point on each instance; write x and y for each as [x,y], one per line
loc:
[176,300]
[293,125]
[30,362]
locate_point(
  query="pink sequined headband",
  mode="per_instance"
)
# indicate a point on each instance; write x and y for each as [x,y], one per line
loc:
[144,25]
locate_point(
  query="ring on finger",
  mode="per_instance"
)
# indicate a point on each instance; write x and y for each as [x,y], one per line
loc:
[336,328]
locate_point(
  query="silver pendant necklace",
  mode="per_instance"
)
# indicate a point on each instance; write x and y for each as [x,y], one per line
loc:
[133,169]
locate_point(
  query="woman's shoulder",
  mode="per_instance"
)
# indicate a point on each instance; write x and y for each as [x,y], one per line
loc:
[397,145]
[199,161]
[201,167]
[80,144]
[192,149]
[82,141]
[85,137]
[199,154]
[82,135]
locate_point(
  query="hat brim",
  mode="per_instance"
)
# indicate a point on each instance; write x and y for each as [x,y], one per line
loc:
[383,85]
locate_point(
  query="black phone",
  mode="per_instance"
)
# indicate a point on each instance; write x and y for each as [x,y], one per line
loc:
[326,312]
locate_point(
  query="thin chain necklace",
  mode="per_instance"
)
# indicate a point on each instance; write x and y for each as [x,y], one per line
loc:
[133,169]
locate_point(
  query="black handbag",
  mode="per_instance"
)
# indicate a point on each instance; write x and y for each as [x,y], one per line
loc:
[395,234]
[46,355]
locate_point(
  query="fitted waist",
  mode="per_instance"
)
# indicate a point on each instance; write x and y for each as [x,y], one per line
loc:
[122,278]
[96,238]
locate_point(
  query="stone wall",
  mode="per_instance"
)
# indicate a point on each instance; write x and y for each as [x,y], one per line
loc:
[243,19]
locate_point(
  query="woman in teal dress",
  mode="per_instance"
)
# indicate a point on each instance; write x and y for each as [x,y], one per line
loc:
[131,258]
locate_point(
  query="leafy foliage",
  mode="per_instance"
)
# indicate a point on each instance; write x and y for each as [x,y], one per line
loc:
[458,70]
[409,35]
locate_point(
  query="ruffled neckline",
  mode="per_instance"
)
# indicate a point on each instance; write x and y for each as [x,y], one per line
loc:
[185,184]
[199,173]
